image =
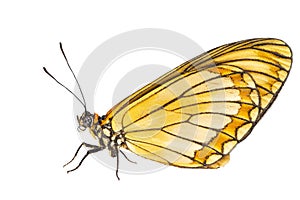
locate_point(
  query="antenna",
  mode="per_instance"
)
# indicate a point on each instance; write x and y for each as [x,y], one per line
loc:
[84,102]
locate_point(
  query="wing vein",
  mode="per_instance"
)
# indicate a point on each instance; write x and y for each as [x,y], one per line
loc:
[168,149]
[149,152]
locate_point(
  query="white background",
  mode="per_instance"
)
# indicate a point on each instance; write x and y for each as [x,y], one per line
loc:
[37,129]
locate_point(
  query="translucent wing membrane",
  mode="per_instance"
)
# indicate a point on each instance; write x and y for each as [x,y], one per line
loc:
[197,113]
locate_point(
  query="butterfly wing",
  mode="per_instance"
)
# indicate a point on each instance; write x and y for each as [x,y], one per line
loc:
[194,115]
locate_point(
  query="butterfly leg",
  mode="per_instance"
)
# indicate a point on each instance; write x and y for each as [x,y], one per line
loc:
[81,145]
[127,157]
[117,170]
[96,149]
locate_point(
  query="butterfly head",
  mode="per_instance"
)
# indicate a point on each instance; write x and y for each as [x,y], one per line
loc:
[86,120]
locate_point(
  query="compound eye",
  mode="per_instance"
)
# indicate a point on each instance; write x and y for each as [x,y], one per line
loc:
[87,121]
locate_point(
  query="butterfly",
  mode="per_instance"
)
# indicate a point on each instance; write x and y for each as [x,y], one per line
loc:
[194,115]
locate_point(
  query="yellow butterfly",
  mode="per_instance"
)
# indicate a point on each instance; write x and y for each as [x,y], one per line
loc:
[194,115]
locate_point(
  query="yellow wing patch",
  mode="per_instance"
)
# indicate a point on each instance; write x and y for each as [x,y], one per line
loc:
[197,113]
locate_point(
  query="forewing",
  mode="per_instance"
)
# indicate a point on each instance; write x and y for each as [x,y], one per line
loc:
[195,115]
